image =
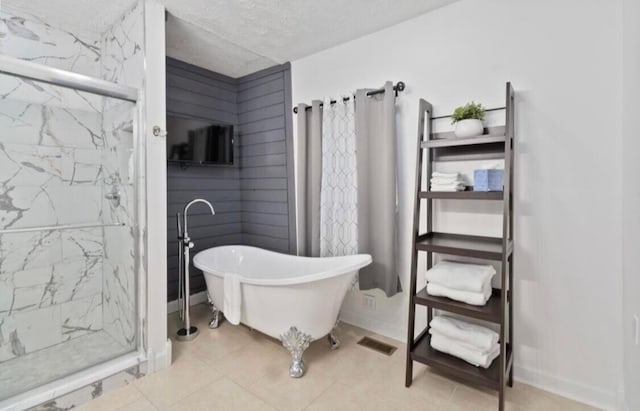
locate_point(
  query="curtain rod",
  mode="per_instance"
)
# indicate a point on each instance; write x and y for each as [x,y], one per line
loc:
[400,86]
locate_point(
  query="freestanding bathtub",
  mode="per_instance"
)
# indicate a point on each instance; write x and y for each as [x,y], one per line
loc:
[294,299]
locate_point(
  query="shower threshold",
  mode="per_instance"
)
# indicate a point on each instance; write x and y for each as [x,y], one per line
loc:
[51,372]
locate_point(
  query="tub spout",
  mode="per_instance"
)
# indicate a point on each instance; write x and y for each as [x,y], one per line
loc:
[296,342]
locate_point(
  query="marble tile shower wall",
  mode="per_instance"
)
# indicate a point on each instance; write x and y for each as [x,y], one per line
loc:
[51,173]
[27,37]
[60,152]
[123,63]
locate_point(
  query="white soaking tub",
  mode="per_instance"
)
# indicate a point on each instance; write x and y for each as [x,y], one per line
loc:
[294,299]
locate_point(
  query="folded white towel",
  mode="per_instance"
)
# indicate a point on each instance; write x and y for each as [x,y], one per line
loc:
[469,335]
[448,187]
[468,297]
[461,276]
[445,180]
[447,345]
[232,298]
[445,175]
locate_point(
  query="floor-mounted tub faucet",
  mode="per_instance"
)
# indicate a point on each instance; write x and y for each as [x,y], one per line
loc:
[185,244]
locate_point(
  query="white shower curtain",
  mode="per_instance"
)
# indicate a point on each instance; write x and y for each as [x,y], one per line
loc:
[339,188]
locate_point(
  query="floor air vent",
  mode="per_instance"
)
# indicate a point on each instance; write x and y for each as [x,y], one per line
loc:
[378,346]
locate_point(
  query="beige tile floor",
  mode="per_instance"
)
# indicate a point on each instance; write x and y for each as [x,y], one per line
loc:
[234,368]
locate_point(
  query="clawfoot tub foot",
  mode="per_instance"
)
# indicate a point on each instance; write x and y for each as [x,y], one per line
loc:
[334,342]
[296,342]
[217,316]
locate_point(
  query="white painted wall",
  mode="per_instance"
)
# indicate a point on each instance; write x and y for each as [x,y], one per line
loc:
[564,59]
[631,198]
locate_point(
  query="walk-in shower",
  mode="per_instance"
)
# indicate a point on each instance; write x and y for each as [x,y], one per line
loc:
[69,233]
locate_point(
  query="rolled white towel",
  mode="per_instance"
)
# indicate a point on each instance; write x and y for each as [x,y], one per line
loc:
[461,276]
[468,297]
[469,335]
[447,345]
[232,298]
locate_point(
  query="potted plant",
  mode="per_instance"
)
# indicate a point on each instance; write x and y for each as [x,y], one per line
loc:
[468,120]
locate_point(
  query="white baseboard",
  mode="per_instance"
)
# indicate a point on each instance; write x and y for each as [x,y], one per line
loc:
[390,330]
[587,394]
[590,395]
[161,360]
[197,298]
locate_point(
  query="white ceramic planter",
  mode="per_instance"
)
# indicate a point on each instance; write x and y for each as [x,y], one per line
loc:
[468,128]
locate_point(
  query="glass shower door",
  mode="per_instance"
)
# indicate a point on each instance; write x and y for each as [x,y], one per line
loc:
[68,232]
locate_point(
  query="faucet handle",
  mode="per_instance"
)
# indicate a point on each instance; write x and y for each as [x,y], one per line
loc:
[190,245]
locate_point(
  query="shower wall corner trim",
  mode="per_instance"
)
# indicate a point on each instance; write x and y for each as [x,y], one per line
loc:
[156,195]
[58,77]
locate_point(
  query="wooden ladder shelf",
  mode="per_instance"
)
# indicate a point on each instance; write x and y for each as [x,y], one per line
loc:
[497,143]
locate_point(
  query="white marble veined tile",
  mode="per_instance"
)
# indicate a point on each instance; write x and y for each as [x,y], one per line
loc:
[28,206]
[72,128]
[26,298]
[119,307]
[82,166]
[23,251]
[29,165]
[24,290]
[29,331]
[34,277]
[118,123]
[77,204]
[80,317]
[82,244]
[118,164]
[122,49]
[34,124]
[75,280]
[25,36]
[43,287]
[6,293]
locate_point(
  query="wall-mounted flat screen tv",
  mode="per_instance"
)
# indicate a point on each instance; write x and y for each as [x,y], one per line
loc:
[199,142]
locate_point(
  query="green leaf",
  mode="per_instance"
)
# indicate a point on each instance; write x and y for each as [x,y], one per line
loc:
[471,110]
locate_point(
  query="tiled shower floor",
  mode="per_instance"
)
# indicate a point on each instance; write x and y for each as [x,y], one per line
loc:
[38,368]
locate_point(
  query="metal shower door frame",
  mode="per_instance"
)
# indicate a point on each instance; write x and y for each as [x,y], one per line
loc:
[16,67]
[25,69]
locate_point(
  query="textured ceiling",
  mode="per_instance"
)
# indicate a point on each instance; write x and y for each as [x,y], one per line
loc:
[237,37]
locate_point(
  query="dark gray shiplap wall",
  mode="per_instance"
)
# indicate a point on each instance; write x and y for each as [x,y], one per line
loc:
[196,92]
[254,199]
[266,173]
